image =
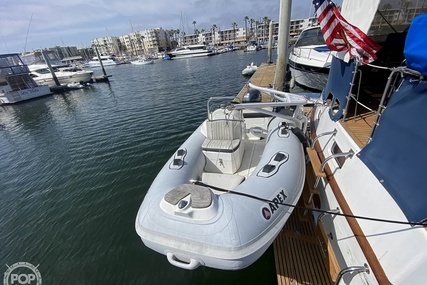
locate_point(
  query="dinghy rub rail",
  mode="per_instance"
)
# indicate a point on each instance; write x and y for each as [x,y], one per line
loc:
[330,212]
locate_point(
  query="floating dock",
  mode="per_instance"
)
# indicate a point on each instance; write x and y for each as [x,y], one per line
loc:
[300,250]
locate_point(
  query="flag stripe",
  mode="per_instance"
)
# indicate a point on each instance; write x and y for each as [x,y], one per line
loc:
[340,35]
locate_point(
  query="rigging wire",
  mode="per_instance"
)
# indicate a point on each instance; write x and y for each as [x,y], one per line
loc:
[422,223]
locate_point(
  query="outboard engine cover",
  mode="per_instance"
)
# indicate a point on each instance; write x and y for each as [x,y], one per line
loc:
[252,96]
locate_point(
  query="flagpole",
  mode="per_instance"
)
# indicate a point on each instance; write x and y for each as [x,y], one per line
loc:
[282,47]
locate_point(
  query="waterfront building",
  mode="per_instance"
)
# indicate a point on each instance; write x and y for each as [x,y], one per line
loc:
[149,41]
[108,45]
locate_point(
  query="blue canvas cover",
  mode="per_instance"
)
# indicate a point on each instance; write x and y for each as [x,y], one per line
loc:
[397,153]
[338,84]
[416,44]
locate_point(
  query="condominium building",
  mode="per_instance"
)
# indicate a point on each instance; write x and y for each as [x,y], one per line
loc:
[107,45]
[152,41]
[149,41]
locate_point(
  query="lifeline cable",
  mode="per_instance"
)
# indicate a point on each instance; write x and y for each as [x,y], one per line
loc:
[422,223]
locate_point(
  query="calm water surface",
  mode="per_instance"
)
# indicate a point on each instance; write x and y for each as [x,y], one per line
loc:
[75,168]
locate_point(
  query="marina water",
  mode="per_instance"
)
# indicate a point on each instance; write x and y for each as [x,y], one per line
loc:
[75,168]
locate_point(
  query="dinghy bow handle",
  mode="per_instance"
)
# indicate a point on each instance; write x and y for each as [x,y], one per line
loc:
[174,260]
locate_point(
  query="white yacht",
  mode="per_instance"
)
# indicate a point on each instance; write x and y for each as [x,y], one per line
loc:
[310,59]
[15,82]
[106,61]
[42,75]
[36,58]
[190,51]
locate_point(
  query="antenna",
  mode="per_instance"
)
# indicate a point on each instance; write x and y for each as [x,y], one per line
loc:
[28,31]
[5,44]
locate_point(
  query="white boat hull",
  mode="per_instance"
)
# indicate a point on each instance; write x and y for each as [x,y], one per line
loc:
[190,51]
[26,94]
[315,80]
[190,55]
[64,78]
[310,59]
[234,230]
[142,62]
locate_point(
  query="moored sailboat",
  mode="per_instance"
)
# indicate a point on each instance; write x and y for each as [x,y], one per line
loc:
[367,152]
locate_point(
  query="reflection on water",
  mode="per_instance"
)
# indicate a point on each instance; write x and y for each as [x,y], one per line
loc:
[76,166]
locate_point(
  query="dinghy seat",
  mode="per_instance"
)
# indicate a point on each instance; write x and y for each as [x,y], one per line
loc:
[223,146]
[223,135]
[190,201]
[200,197]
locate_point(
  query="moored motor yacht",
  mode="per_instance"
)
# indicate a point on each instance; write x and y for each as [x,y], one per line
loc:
[310,59]
[42,75]
[15,82]
[106,60]
[190,51]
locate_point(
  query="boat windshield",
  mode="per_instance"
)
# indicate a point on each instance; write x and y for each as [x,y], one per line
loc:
[310,37]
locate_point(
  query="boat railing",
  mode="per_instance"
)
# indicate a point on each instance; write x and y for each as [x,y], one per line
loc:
[352,269]
[306,52]
[395,75]
[392,80]
[218,98]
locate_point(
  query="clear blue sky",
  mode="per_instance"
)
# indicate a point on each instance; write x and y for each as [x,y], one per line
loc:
[35,24]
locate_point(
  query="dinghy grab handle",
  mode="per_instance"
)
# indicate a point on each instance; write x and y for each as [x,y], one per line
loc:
[174,260]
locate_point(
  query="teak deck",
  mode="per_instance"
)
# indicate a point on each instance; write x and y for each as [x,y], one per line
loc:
[300,250]
[297,250]
[264,76]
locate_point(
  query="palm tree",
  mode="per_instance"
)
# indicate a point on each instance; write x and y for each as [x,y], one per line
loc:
[256,29]
[194,24]
[234,25]
[266,23]
[246,27]
[196,32]
[213,32]
[251,21]
[183,37]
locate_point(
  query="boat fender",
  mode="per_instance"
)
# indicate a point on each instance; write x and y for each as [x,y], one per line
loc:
[300,135]
[292,82]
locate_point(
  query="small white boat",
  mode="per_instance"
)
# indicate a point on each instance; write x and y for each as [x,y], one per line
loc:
[250,69]
[105,59]
[310,59]
[252,47]
[225,194]
[42,75]
[76,85]
[16,83]
[142,61]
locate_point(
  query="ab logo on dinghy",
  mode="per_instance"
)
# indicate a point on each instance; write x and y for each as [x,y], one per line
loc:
[266,213]
[269,209]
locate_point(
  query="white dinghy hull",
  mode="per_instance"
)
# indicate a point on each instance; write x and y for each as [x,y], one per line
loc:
[201,210]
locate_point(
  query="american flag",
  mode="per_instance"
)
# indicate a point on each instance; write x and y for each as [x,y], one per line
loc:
[341,36]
